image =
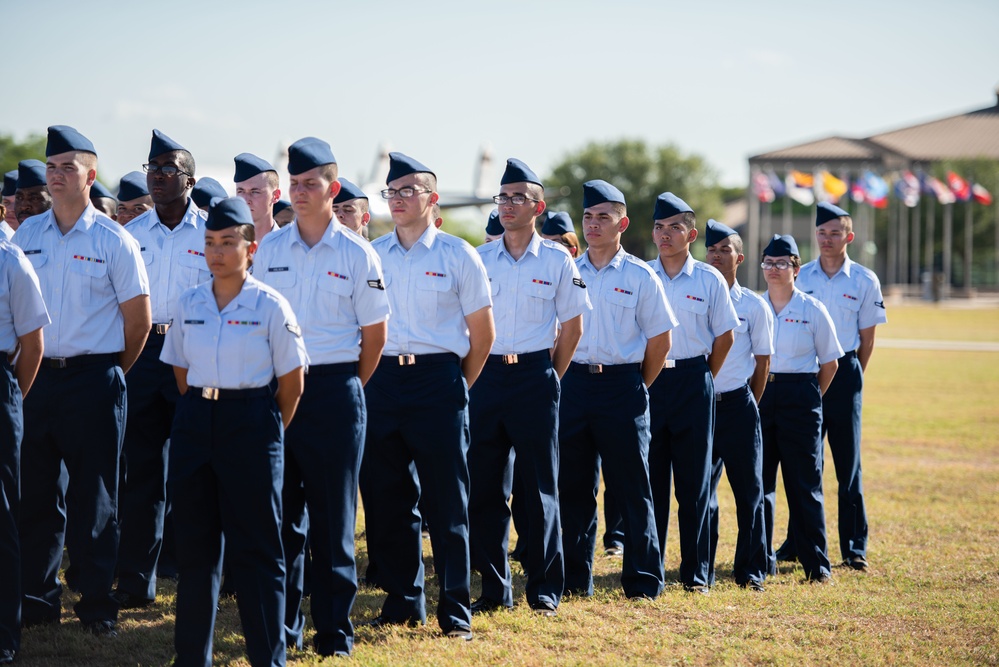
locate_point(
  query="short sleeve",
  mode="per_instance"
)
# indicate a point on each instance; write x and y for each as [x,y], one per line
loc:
[827,347]
[27,305]
[287,344]
[370,300]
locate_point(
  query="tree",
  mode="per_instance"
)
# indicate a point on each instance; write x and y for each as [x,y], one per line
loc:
[13,151]
[642,173]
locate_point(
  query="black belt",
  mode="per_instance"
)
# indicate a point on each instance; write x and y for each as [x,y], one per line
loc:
[791,377]
[597,369]
[851,353]
[160,329]
[80,360]
[423,359]
[525,358]
[215,394]
[332,369]
[684,363]
[729,395]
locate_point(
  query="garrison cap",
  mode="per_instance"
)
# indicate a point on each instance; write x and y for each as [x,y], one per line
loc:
[348,191]
[30,173]
[493,225]
[402,165]
[98,191]
[668,205]
[518,172]
[280,205]
[205,190]
[63,139]
[598,192]
[10,183]
[824,212]
[308,153]
[715,231]
[248,166]
[226,212]
[132,186]
[557,222]
[161,144]
[780,246]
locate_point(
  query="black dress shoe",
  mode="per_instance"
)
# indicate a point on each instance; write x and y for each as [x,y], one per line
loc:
[822,579]
[6,656]
[459,632]
[614,551]
[753,585]
[380,621]
[858,563]
[697,588]
[785,554]
[544,608]
[129,601]
[485,605]
[101,628]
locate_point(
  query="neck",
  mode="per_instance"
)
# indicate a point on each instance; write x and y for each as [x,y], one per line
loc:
[673,265]
[601,257]
[171,213]
[516,241]
[226,289]
[313,228]
[730,278]
[780,295]
[263,226]
[832,265]
[410,234]
[68,212]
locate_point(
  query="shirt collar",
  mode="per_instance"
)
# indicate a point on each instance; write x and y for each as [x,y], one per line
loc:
[84,223]
[426,239]
[735,292]
[193,216]
[533,247]
[329,236]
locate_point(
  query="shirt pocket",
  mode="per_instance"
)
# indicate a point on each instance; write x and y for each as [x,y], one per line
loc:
[743,326]
[802,342]
[90,281]
[193,267]
[538,301]
[849,303]
[335,293]
[431,291]
[691,303]
[622,305]
[37,259]
[280,277]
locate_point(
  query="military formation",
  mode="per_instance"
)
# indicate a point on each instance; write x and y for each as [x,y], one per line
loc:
[202,388]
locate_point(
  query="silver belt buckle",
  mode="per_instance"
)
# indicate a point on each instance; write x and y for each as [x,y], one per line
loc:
[60,361]
[210,393]
[770,378]
[510,359]
[161,329]
[407,359]
[595,368]
[669,363]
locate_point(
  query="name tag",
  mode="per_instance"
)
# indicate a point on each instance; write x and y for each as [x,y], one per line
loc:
[194,321]
[277,269]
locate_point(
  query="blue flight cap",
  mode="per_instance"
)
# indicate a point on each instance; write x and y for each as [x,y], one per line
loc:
[598,192]
[132,186]
[226,212]
[205,190]
[348,191]
[493,226]
[518,172]
[780,246]
[824,212]
[402,165]
[280,205]
[30,173]
[668,205]
[715,231]
[9,183]
[63,139]
[557,222]
[161,144]
[248,166]
[98,191]
[308,153]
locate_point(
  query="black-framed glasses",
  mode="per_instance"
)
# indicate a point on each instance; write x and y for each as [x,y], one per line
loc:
[167,170]
[405,192]
[780,265]
[516,200]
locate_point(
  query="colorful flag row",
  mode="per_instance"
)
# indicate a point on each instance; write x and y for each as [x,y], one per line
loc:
[869,188]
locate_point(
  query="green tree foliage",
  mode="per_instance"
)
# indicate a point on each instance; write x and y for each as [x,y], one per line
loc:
[13,151]
[641,172]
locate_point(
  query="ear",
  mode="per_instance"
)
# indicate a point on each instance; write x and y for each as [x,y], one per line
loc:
[335,188]
[91,177]
[252,249]
[740,259]
[276,196]
[850,237]
[434,197]
[366,218]
[540,208]
[623,224]
[692,235]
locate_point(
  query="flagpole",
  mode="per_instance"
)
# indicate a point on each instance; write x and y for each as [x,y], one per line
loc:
[891,243]
[914,276]
[969,289]
[931,232]
[948,249]
[753,251]
[903,242]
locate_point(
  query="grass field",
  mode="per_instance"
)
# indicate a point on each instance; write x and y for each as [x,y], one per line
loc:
[931,597]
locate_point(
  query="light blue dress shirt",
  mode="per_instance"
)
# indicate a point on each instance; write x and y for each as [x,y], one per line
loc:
[852,297]
[804,335]
[753,337]
[22,308]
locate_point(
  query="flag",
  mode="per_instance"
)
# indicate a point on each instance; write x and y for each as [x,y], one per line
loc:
[857,192]
[799,187]
[910,187]
[833,187]
[776,184]
[958,186]
[981,195]
[761,188]
[875,188]
[941,191]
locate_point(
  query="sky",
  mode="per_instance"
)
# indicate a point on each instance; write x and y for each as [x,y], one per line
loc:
[438,79]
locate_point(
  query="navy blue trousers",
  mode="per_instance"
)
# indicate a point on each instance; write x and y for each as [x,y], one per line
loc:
[613,524]
[226,471]
[791,422]
[738,449]
[74,415]
[682,405]
[152,398]
[515,407]
[605,417]
[322,462]
[418,428]
[11,431]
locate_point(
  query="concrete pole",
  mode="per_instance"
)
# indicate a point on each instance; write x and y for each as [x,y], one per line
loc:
[948,250]
[969,288]
[914,275]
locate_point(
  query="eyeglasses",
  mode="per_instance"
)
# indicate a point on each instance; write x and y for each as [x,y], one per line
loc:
[167,170]
[516,200]
[405,192]
[779,265]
